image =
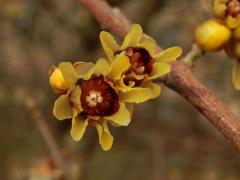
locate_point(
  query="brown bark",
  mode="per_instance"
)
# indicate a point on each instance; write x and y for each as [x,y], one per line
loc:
[180,79]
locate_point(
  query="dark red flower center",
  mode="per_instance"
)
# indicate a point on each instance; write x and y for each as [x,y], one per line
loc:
[141,64]
[233,7]
[98,98]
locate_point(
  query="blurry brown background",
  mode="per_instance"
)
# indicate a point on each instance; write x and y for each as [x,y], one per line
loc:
[167,139]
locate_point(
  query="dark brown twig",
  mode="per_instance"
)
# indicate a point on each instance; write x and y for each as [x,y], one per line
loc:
[180,79]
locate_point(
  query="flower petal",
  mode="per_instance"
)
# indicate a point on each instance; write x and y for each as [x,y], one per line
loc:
[219,9]
[74,98]
[109,44]
[105,138]
[233,22]
[159,69]
[155,89]
[130,107]
[236,74]
[101,67]
[119,65]
[121,117]
[170,54]
[146,37]
[135,95]
[62,109]
[83,67]
[79,125]
[149,46]
[69,73]
[123,87]
[133,37]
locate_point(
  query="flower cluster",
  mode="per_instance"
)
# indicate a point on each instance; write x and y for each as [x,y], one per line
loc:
[103,93]
[223,32]
[229,12]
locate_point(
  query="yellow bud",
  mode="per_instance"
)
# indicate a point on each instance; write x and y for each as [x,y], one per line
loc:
[211,35]
[57,82]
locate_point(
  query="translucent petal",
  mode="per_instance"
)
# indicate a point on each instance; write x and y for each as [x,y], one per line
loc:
[79,125]
[109,44]
[119,65]
[101,67]
[69,73]
[233,22]
[159,69]
[130,107]
[219,9]
[155,89]
[133,37]
[135,95]
[149,46]
[121,117]
[62,109]
[146,37]
[105,138]
[236,74]
[170,54]
[123,87]
[74,98]
[83,67]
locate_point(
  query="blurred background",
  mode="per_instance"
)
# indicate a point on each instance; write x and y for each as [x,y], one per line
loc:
[167,139]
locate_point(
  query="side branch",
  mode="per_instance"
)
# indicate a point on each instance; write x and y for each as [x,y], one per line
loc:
[180,79]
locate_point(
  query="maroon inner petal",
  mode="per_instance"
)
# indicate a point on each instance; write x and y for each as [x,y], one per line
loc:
[109,100]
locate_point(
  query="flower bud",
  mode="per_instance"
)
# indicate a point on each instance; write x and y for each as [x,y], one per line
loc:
[211,35]
[57,82]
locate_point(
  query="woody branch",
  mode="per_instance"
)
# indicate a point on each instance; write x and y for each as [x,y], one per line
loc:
[180,79]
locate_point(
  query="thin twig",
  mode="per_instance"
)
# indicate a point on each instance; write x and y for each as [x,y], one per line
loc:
[46,135]
[179,79]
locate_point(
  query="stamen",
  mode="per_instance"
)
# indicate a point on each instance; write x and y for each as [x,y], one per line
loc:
[140,70]
[94,98]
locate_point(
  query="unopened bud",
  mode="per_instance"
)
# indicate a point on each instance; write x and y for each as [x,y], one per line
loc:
[57,82]
[211,35]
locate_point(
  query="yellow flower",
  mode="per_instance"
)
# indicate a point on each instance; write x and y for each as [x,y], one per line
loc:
[145,63]
[57,82]
[211,35]
[229,11]
[92,99]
